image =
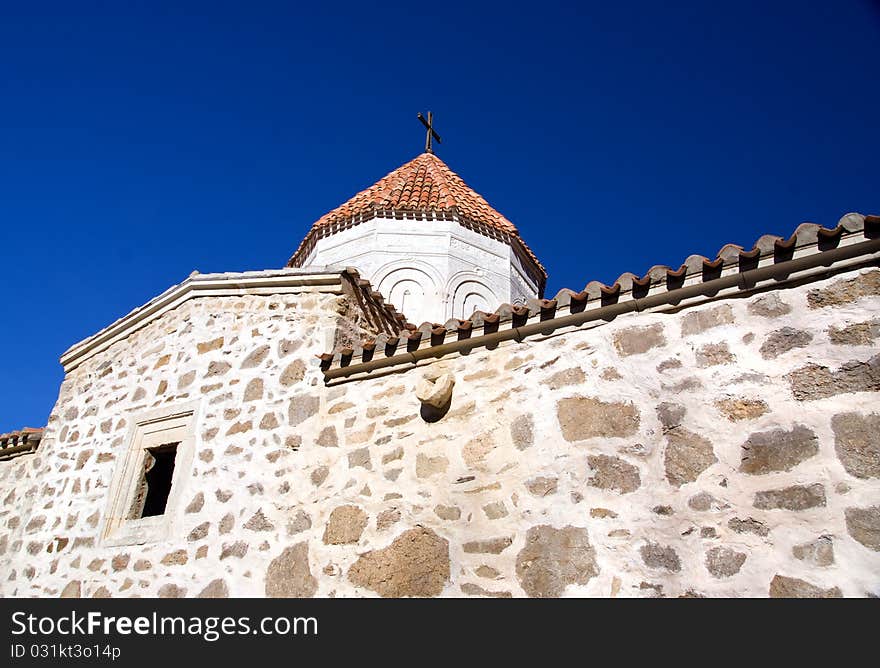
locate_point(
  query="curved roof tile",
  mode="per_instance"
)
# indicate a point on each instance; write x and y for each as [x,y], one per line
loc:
[729,256]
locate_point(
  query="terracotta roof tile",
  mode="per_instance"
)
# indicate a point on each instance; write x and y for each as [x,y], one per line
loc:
[24,431]
[424,187]
[860,232]
[19,442]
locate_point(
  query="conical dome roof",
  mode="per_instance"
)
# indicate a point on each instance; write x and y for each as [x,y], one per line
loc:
[426,188]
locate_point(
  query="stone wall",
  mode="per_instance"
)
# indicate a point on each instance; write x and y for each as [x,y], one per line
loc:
[730,449]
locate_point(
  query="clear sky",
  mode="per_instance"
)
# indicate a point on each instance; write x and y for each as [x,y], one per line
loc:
[143,140]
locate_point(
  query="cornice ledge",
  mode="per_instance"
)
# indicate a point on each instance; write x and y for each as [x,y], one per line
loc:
[266,282]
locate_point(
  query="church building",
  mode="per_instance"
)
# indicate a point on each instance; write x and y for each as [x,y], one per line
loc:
[399,411]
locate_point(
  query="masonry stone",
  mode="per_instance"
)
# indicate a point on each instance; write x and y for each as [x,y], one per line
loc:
[819,552]
[815,381]
[172,591]
[613,473]
[236,550]
[795,497]
[788,587]
[662,557]
[522,431]
[447,512]
[714,354]
[488,546]
[416,563]
[256,358]
[857,443]
[845,291]
[769,305]
[197,503]
[554,558]
[724,562]
[293,373]
[566,377]
[856,334]
[387,518]
[208,346]
[863,524]
[215,589]
[259,522]
[670,414]
[301,521]
[739,409]
[687,455]
[588,417]
[289,574]
[748,525]
[328,437]
[638,340]
[301,408]
[782,340]
[704,502]
[472,589]
[542,485]
[319,475]
[217,369]
[429,466]
[199,532]
[777,450]
[73,589]
[702,320]
[346,524]
[253,391]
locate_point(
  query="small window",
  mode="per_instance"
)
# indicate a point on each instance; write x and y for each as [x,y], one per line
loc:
[155,484]
[151,474]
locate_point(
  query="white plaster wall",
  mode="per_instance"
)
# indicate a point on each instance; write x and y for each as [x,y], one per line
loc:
[447,269]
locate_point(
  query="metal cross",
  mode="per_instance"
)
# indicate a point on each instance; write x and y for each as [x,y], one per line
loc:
[429,126]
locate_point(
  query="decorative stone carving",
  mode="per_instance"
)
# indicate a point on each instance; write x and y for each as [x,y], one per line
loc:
[436,392]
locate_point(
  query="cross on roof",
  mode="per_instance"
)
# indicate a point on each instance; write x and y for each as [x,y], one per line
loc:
[429,126]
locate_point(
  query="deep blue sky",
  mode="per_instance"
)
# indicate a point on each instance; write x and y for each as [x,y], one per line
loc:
[142,140]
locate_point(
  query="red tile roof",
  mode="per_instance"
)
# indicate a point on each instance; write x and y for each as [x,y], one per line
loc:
[423,187]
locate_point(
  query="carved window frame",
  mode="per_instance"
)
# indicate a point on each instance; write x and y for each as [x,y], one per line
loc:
[150,429]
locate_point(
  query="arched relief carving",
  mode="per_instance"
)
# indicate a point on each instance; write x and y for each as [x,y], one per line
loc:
[413,291]
[381,275]
[472,295]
